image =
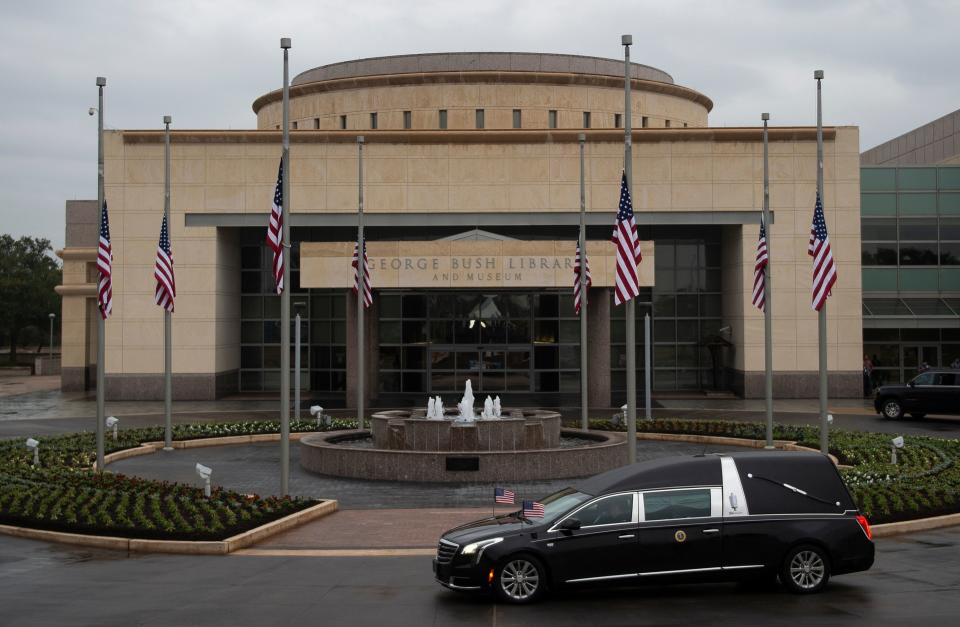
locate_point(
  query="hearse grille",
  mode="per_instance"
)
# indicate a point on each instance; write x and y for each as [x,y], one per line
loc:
[445,551]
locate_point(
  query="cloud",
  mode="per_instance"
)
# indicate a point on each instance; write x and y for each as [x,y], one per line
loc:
[889,65]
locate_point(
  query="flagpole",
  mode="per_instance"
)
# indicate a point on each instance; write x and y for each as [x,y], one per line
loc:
[584,420]
[822,314]
[768,292]
[101,327]
[361,284]
[631,312]
[285,44]
[167,332]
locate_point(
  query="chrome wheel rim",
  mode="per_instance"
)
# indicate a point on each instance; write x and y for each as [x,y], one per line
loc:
[519,580]
[807,569]
[891,409]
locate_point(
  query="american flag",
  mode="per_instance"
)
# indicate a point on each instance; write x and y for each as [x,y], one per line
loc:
[532,509]
[105,266]
[367,294]
[759,280]
[500,495]
[576,279]
[824,271]
[163,270]
[275,230]
[628,248]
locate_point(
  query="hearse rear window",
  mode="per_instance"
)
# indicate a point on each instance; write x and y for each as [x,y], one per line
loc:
[670,504]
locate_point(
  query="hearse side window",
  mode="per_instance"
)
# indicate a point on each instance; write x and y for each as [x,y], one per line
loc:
[924,379]
[943,378]
[670,504]
[607,511]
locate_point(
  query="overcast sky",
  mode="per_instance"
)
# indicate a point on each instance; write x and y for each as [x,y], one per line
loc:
[890,65]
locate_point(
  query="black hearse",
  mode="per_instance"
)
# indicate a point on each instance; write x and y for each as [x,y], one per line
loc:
[752,515]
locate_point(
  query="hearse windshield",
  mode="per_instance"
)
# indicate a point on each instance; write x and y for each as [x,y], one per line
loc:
[561,502]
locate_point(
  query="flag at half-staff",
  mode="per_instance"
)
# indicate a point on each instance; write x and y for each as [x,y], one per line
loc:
[628,248]
[275,231]
[759,277]
[824,270]
[166,290]
[577,296]
[365,274]
[105,266]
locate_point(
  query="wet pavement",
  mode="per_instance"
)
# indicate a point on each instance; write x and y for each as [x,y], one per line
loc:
[914,581]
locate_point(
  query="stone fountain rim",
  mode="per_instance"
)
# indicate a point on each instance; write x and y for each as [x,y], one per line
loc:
[602,439]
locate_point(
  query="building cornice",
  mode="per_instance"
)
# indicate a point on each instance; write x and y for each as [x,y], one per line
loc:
[482,136]
[497,77]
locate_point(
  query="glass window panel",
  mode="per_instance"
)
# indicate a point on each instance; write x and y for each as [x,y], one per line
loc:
[462,376]
[664,306]
[494,360]
[918,204]
[271,307]
[566,307]
[320,356]
[713,255]
[440,381]
[950,178]
[442,306]
[949,229]
[883,354]
[250,282]
[468,306]
[493,381]
[618,380]
[547,305]
[951,355]
[876,279]
[950,203]
[710,327]
[912,229]
[251,357]
[546,331]
[669,505]
[493,332]
[390,331]
[950,279]
[664,330]
[468,360]
[878,179]
[271,380]
[881,335]
[389,358]
[320,380]
[886,306]
[688,356]
[878,204]
[518,360]
[251,332]
[389,306]
[664,380]
[442,360]
[878,230]
[339,333]
[686,306]
[441,331]
[548,382]
[271,332]
[918,254]
[878,254]
[414,331]
[928,307]
[951,335]
[570,357]
[917,178]
[338,305]
[569,330]
[518,381]
[250,257]
[665,356]
[618,332]
[251,307]
[338,381]
[917,279]
[518,305]
[389,381]
[271,356]
[687,279]
[687,330]
[464,333]
[688,379]
[414,381]
[320,331]
[711,305]
[251,381]
[545,357]
[414,306]
[518,331]
[663,278]
[688,255]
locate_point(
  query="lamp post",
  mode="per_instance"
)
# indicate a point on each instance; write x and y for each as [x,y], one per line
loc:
[299,306]
[52,316]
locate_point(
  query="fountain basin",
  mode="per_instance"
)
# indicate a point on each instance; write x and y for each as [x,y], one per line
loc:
[327,454]
[517,430]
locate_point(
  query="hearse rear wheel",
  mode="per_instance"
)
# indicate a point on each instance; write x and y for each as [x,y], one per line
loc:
[805,570]
[892,409]
[521,579]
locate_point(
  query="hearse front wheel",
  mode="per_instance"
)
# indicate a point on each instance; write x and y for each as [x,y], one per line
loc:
[805,570]
[892,409]
[520,579]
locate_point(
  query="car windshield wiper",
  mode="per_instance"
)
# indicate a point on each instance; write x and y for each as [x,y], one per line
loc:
[794,489]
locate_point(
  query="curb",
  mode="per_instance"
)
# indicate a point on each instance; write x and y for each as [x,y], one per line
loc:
[909,526]
[146,448]
[182,547]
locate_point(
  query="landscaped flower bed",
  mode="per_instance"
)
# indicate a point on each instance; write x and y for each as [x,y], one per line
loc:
[925,482]
[64,494]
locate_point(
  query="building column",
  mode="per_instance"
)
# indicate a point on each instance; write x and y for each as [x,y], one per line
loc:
[598,347]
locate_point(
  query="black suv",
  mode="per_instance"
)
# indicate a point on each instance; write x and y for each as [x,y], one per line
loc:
[932,392]
[755,515]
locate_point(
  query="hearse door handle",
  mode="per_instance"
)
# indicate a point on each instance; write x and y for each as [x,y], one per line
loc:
[627,536]
[711,531]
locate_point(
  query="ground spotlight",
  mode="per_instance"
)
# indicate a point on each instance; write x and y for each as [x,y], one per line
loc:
[35,446]
[204,472]
[895,443]
[112,422]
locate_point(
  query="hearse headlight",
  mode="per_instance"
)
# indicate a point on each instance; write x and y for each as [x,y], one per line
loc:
[477,548]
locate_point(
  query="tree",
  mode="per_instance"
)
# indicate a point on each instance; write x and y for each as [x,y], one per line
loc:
[28,274]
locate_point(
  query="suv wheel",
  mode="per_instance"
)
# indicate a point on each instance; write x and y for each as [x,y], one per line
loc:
[805,570]
[520,579]
[892,409]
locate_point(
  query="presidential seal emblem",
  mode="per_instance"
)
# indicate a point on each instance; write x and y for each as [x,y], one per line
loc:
[680,535]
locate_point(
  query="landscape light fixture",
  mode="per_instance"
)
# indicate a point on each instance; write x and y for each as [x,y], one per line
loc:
[317,412]
[895,443]
[204,472]
[35,446]
[112,422]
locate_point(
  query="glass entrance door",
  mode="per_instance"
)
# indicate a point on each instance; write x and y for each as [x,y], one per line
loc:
[491,369]
[915,355]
